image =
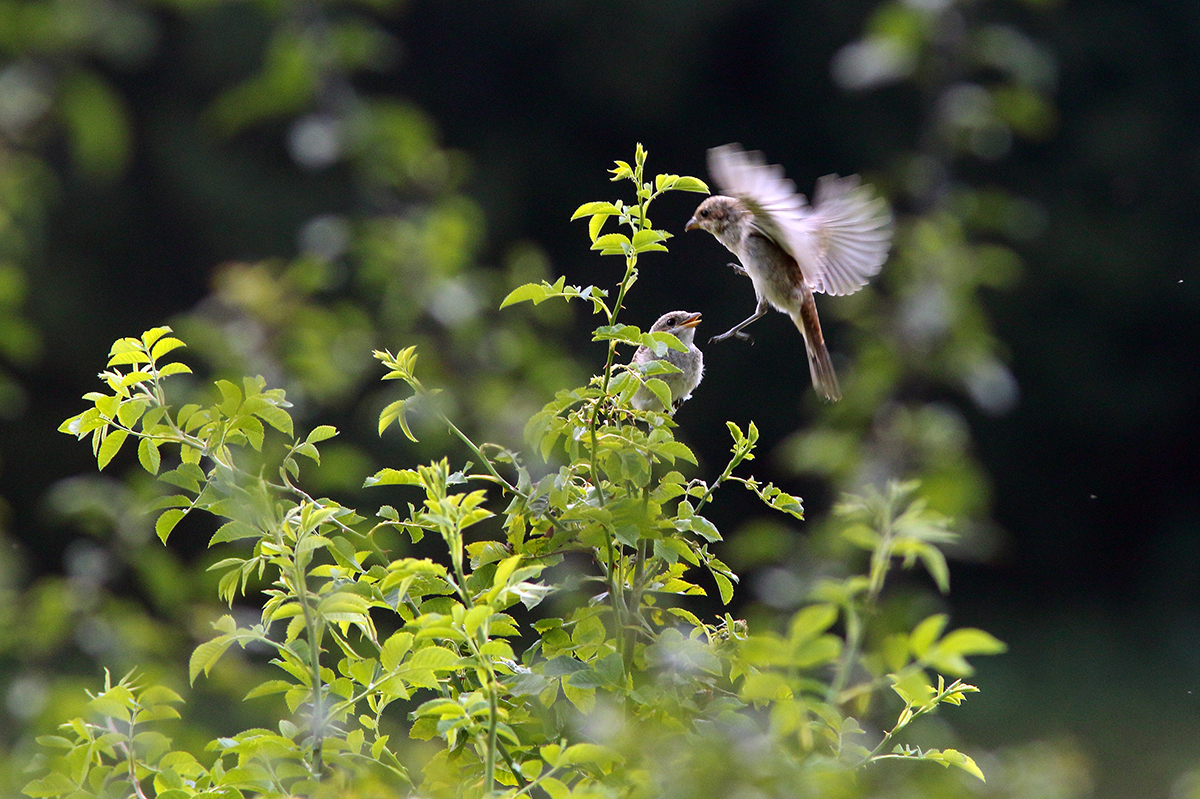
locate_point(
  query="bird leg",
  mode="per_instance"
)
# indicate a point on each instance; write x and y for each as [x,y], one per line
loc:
[736,330]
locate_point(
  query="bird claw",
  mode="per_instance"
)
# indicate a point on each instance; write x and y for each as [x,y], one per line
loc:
[741,270]
[734,333]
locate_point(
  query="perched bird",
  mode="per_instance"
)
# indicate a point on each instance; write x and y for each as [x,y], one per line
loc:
[790,249]
[682,325]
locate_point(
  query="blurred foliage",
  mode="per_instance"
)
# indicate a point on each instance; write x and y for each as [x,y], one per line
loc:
[393,252]
[925,345]
[622,694]
[275,133]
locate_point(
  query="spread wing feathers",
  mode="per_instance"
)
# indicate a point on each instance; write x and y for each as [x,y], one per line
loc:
[840,242]
[769,196]
[851,228]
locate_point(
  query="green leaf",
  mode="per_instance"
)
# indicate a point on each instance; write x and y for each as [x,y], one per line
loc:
[308,451]
[625,333]
[174,368]
[342,605]
[659,343]
[648,240]
[687,616]
[233,531]
[925,633]
[935,564]
[394,650]
[554,787]
[231,397]
[765,686]
[187,476]
[725,586]
[166,523]
[393,477]
[126,351]
[687,183]
[603,756]
[149,337]
[663,393]
[395,413]
[117,702]
[148,455]
[700,526]
[130,411]
[595,225]
[163,346]
[783,502]
[948,656]
[321,433]
[913,688]
[595,208]
[821,651]
[612,244]
[971,641]
[436,658]
[205,656]
[524,293]
[269,687]
[277,417]
[584,699]
[109,447]
[252,429]
[811,621]
[676,449]
[953,757]
[53,784]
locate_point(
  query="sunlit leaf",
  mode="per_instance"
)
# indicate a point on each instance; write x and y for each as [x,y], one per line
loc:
[109,447]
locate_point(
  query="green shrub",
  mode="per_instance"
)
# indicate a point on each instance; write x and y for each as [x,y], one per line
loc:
[620,689]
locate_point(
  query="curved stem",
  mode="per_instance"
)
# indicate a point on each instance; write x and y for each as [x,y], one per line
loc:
[478,452]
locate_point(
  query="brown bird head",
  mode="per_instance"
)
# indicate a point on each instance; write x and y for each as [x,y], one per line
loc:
[718,215]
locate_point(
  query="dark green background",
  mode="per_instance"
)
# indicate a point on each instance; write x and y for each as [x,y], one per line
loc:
[1095,580]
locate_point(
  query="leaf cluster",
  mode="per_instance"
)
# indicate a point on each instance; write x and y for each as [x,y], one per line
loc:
[588,698]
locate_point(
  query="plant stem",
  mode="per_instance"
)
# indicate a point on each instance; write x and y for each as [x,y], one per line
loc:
[854,636]
[478,452]
[489,767]
[312,627]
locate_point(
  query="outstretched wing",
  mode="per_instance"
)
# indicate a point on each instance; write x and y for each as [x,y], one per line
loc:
[762,188]
[840,242]
[850,229]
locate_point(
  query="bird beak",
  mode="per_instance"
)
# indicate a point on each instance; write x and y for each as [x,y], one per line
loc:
[691,321]
[691,225]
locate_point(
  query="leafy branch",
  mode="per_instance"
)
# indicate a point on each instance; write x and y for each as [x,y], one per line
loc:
[356,631]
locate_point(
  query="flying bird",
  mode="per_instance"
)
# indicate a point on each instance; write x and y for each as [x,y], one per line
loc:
[790,249]
[682,325]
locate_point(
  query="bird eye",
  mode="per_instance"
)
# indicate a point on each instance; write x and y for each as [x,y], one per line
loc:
[704,213]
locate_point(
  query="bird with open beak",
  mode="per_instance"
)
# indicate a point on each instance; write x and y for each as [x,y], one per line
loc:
[681,325]
[790,249]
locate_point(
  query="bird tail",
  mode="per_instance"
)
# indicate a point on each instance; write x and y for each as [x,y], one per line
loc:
[819,366]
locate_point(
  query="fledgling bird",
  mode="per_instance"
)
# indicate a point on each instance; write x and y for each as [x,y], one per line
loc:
[790,249]
[682,325]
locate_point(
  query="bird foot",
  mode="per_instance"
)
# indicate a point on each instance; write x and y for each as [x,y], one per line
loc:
[741,270]
[734,333]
